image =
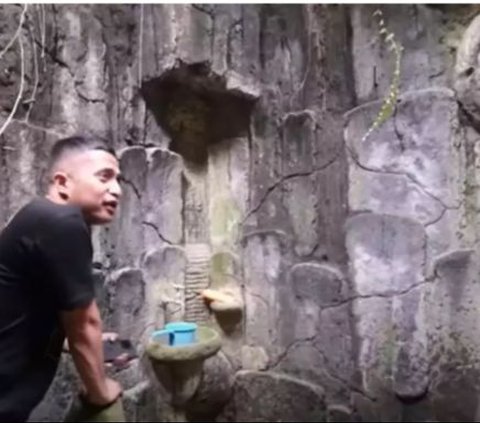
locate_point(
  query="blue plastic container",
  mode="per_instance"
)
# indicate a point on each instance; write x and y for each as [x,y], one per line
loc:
[178,333]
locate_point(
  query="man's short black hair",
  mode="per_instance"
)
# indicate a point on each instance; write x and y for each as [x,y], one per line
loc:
[78,143]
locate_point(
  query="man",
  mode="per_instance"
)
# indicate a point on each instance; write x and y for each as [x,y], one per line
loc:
[46,284]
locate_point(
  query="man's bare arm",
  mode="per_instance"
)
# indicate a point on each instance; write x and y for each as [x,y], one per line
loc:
[83,328]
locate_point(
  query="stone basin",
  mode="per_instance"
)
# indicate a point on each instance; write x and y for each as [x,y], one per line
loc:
[179,369]
[208,344]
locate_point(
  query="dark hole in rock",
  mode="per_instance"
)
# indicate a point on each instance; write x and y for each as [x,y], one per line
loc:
[469,71]
[197,109]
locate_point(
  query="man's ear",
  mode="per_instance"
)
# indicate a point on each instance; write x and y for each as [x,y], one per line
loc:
[61,182]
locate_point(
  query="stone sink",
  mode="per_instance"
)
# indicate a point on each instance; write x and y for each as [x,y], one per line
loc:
[179,369]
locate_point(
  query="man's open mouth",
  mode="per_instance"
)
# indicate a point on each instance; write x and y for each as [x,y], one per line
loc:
[111,206]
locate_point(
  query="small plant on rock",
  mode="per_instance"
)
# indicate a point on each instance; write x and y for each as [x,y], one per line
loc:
[388,105]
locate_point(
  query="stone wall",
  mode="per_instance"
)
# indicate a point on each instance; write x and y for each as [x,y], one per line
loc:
[238,129]
[411,233]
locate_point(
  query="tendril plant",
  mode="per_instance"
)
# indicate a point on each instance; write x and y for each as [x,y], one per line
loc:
[388,105]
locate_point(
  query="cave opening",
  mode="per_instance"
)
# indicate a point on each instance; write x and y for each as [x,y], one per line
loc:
[198,108]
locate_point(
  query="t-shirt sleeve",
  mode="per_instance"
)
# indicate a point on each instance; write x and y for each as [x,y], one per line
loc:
[66,253]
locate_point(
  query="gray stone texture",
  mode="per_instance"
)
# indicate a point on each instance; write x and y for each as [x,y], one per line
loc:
[164,270]
[355,261]
[163,197]
[426,38]
[454,336]
[126,313]
[387,253]
[410,361]
[420,142]
[215,389]
[267,397]
[265,264]
[466,75]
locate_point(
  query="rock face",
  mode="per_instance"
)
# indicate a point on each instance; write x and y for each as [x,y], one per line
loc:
[466,70]
[238,129]
[267,397]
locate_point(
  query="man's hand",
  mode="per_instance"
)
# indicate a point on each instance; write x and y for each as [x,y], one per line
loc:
[120,363]
[109,395]
[106,336]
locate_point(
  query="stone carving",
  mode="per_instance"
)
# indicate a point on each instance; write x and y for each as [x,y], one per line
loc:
[196,280]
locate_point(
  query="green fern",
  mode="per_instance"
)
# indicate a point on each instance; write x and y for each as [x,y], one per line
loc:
[388,105]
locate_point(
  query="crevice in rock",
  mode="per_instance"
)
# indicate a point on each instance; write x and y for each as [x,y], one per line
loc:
[157,231]
[288,348]
[310,341]
[284,178]
[51,53]
[437,74]
[313,251]
[134,188]
[466,116]
[233,26]
[354,156]
[209,11]
[395,128]
[86,98]
[259,297]
[349,386]
[386,295]
[436,220]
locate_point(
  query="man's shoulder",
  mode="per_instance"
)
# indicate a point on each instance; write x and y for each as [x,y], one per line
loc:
[46,208]
[43,212]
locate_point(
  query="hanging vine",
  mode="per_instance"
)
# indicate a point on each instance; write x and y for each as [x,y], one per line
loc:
[27,23]
[388,105]
[17,37]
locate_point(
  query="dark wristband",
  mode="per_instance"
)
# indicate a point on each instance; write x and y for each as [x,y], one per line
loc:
[96,407]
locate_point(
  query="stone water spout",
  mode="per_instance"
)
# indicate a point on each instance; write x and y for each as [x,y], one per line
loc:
[215,307]
[227,307]
[205,114]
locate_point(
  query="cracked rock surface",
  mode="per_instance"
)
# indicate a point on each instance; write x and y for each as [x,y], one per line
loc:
[238,129]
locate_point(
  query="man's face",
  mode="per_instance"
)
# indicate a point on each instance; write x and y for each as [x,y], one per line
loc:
[93,185]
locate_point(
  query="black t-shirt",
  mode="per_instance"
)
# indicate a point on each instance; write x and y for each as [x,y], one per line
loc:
[45,268]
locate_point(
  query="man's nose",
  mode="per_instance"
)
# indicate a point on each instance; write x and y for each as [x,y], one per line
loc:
[115,189]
